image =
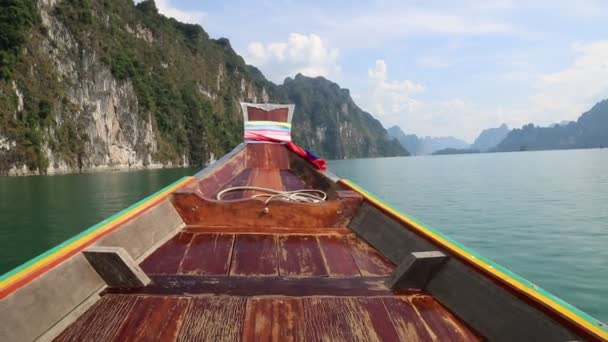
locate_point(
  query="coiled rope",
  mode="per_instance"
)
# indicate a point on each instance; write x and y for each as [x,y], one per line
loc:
[298,196]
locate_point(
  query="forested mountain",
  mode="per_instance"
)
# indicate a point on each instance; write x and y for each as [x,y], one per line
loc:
[589,131]
[88,85]
[425,145]
[330,122]
[490,137]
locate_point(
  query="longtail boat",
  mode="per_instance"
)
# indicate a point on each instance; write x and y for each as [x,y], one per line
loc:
[265,244]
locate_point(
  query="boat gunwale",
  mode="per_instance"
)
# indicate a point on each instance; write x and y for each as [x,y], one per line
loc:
[524,288]
[21,275]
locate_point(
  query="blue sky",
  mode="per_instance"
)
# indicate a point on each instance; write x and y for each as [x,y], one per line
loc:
[432,67]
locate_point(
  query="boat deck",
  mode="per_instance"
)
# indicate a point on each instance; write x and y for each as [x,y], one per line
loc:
[249,284]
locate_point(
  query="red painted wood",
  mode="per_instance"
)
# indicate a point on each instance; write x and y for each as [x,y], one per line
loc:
[381,320]
[267,156]
[214,319]
[167,258]
[292,182]
[338,258]
[443,324]
[274,319]
[299,255]
[269,230]
[407,322]
[369,261]
[196,210]
[208,254]
[154,319]
[258,114]
[101,321]
[264,178]
[241,179]
[254,255]
[338,319]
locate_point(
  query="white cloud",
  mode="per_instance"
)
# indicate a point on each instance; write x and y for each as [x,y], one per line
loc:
[386,98]
[306,54]
[565,94]
[398,103]
[167,8]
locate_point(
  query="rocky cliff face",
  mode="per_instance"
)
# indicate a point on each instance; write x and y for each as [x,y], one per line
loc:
[93,85]
[589,131]
[329,121]
[106,108]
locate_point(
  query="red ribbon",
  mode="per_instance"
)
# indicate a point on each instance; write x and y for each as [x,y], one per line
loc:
[319,163]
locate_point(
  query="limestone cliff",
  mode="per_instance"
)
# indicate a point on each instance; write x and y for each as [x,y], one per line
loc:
[89,85]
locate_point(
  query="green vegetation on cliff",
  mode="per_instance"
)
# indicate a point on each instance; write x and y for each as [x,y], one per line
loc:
[327,120]
[589,131]
[90,84]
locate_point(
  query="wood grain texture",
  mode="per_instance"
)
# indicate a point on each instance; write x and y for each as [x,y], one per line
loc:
[441,322]
[208,254]
[381,320]
[255,255]
[299,255]
[214,319]
[368,260]
[101,321]
[338,258]
[338,319]
[259,114]
[167,258]
[242,179]
[154,319]
[274,319]
[196,210]
[268,230]
[263,178]
[408,323]
[267,156]
[211,183]
[176,285]
[292,182]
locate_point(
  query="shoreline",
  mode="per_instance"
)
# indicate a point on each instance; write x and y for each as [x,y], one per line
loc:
[23,172]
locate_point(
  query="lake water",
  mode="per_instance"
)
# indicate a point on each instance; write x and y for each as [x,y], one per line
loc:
[543,215]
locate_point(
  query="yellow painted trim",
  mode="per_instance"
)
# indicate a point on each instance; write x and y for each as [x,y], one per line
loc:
[91,236]
[267,123]
[480,263]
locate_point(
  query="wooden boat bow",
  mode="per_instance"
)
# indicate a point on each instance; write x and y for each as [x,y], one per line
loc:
[347,268]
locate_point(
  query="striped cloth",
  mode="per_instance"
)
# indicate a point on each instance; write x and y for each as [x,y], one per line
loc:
[273,129]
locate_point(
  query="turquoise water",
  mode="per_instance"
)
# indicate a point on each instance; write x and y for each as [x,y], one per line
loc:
[543,215]
[39,212]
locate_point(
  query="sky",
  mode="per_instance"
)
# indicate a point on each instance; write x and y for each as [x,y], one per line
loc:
[438,68]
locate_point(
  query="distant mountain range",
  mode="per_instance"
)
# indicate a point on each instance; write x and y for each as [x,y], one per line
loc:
[426,145]
[589,131]
[490,137]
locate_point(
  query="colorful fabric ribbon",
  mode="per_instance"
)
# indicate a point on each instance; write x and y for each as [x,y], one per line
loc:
[309,156]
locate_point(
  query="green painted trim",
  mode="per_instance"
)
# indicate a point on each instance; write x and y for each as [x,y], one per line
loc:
[496,266]
[85,232]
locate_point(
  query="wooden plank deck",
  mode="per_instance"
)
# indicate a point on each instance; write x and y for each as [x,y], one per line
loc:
[119,317]
[272,287]
[242,253]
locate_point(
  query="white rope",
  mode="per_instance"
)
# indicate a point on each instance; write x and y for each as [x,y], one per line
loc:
[298,196]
